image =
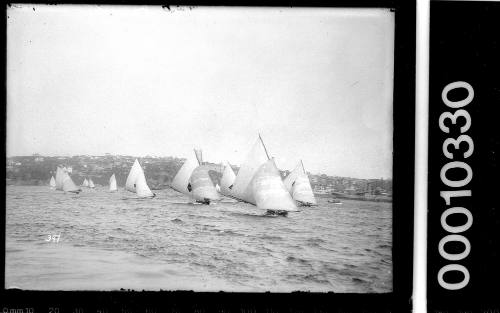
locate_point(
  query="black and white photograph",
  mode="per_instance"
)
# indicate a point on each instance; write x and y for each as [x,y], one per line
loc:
[236,149]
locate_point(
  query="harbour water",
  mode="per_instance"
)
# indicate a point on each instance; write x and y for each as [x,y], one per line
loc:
[110,241]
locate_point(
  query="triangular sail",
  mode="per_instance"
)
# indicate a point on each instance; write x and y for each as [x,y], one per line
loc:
[269,191]
[136,181]
[227,180]
[302,191]
[52,183]
[68,184]
[299,186]
[242,188]
[181,179]
[132,176]
[217,187]
[112,183]
[91,183]
[85,183]
[202,187]
[141,186]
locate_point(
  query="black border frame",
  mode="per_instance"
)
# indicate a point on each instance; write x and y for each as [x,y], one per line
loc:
[403,185]
[465,47]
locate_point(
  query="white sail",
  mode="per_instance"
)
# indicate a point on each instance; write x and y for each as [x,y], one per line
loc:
[269,191]
[52,183]
[132,176]
[202,187]
[68,184]
[141,186]
[112,183]
[85,183]
[302,191]
[227,180]
[242,188]
[91,183]
[181,179]
[59,178]
[217,187]
[136,182]
[299,186]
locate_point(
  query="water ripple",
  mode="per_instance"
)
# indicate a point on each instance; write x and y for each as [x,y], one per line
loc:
[110,240]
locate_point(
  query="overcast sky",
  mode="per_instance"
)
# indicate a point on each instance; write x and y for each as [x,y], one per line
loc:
[316,83]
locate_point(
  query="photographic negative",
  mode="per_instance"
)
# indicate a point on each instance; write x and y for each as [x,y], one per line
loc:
[200,148]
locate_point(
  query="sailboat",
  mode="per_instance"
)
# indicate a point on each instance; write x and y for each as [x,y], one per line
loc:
[52,183]
[193,179]
[136,182]
[112,183]
[91,183]
[299,186]
[259,182]
[64,182]
[85,183]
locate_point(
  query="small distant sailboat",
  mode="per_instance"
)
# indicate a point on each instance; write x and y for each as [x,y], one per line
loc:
[52,183]
[259,182]
[112,183]
[193,179]
[299,186]
[136,182]
[91,183]
[64,182]
[85,183]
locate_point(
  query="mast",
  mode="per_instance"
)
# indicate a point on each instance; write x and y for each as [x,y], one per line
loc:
[199,156]
[265,149]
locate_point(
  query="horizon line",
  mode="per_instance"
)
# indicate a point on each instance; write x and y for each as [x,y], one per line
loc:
[152,156]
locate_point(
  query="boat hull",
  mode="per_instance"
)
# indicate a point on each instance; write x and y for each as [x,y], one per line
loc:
[276,213]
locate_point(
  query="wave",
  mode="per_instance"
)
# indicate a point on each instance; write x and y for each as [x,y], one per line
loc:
[359,280]
[225,245]
[227,232]
[316,278]
[298,260]
[315,242]
[271,237]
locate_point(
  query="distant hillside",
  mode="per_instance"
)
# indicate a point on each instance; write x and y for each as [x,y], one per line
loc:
[37,170]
